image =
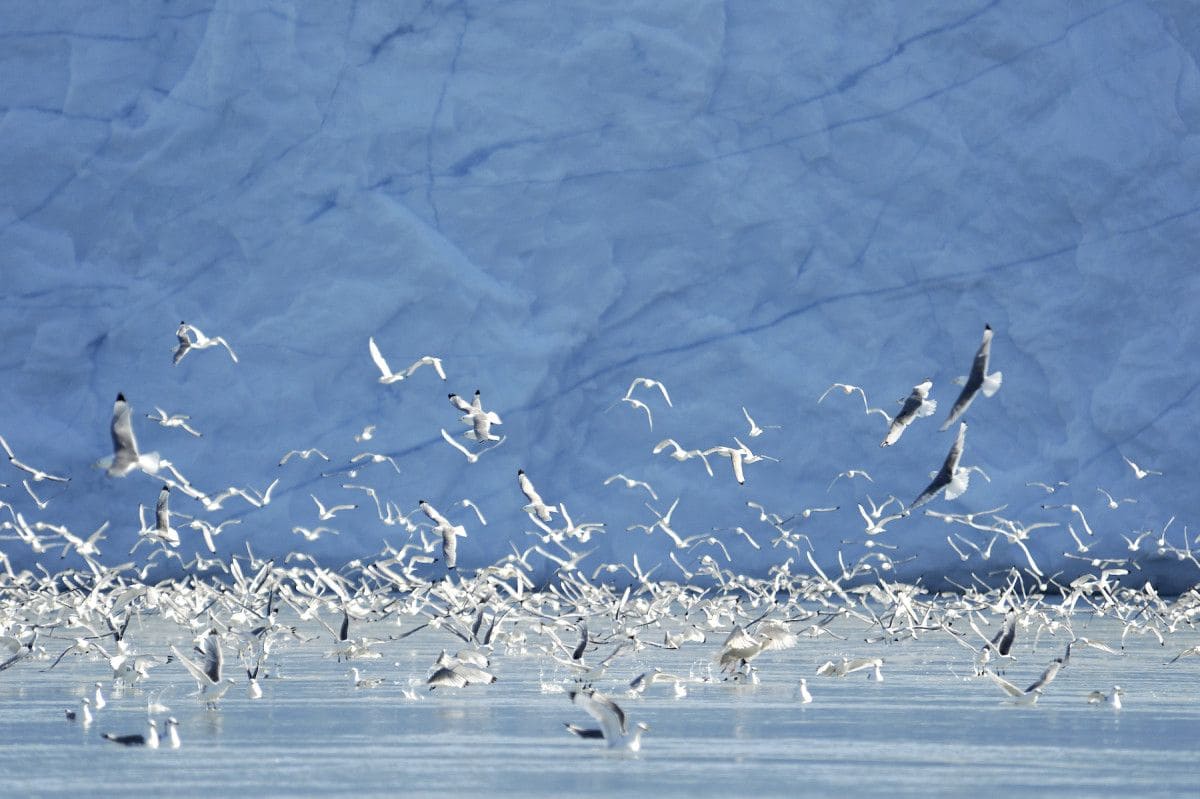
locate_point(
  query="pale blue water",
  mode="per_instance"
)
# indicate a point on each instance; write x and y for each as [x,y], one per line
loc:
[928,729]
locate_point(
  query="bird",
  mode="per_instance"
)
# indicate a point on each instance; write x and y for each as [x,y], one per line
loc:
[472,457]
[305,454]
[207,674]
[535,507]
[805,694]
[450,533]
[325,514]
[1029,696]
[314,533]
[149,740]
[849,474]
[1138,471]
[38,474]
[978,381]
[201,342]
[951,478]
[1114,503]
[917,406]
[648,382]
[846,389]
[173,733]
[613,730]
[178,420]
[639,404]
[1112,698]
[680,454]
[84,714]
[364,682]
[126,457]
[388,376]
[755,428]
[631,483]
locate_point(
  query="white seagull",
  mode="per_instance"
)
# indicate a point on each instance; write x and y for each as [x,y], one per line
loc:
[388,376]
[613,726]
[952,478]
[978,381]
[177,420]
[125,457]
[536,506]
[917,406]
[1138,471]
[200,342]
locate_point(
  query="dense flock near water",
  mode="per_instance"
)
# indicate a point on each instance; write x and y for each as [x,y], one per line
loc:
[565,398]
[286,675]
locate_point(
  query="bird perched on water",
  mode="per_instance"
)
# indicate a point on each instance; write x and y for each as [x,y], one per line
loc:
[126,457]
[978,381]
[918,405]
[1112,698]
[952,478]
[149,740]
[614,729]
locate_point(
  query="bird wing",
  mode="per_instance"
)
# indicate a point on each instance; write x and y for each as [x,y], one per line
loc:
[214,659]
[603,710]
[1004,684]
[377,357]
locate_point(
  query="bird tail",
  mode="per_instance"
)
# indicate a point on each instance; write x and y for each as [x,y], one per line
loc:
[991,383]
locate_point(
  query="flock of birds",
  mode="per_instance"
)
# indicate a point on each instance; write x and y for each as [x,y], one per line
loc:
[587,621]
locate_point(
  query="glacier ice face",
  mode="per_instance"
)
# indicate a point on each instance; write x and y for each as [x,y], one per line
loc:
[747,204]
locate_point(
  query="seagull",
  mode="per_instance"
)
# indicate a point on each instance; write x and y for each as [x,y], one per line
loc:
[471,456]
[207,675]
[84,714]
[375,457]
[449,532]
[366,434]
[756,429]
[325,514]
[125,457]
[38,474]
[849,474]
[805,694]
[613,728]
[536,506]
[1112,698]
[680,454]
[1029,696]
[173,733]
[178,420]
[305,454]
[917,406]
[978,381]
[149,740]
[648,383]
[631,483]
[364,682]
[952,478]
[1138,471]
[639,404]
[201,342]
[388,376]
[313,534]
[1114,503]
[846,389]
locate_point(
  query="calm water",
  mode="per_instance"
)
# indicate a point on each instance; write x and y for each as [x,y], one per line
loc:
[928,729]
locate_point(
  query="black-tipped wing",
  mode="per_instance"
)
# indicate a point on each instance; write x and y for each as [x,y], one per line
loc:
[974,380]
[125,451]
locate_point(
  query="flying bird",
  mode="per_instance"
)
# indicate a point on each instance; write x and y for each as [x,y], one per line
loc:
[918,405]
[978,381]
[126,457]
[200,342]
[1138,471]
[388,376]
[952,478]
